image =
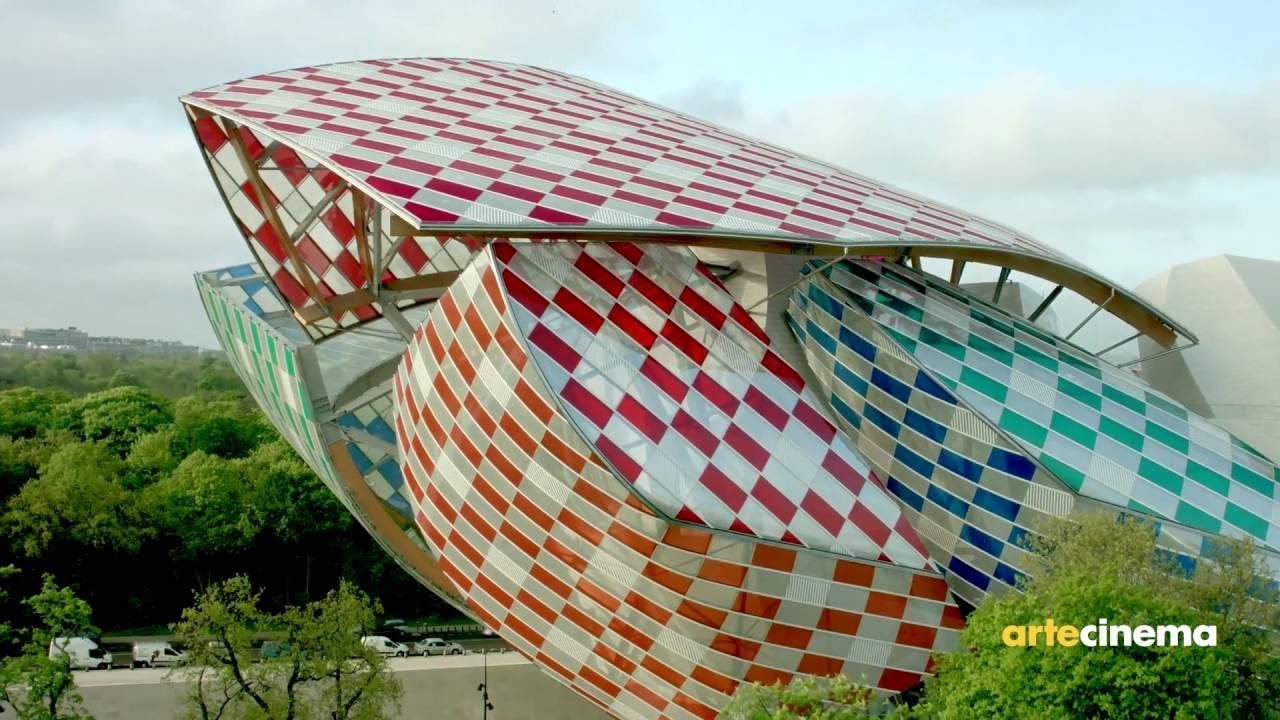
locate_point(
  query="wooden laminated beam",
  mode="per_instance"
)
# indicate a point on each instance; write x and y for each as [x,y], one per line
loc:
[359,218]
[1126,307]
[358,298]
[269,210]
[423,282]
[336,305]
[384,525]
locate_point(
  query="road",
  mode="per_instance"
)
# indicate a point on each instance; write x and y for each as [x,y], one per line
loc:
[150,676]
[434,687]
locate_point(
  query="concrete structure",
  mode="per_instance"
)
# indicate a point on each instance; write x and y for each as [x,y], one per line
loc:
[668,408]
[1233,304]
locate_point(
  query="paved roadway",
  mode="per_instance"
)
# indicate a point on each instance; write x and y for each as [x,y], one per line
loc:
[434,687]
[147,676]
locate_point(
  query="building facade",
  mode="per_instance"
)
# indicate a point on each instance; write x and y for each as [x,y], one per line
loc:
[668,408]
[1228,377]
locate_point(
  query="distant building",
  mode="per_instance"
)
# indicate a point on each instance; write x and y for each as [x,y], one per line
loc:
[72,338]
[52,337]
[1233,376]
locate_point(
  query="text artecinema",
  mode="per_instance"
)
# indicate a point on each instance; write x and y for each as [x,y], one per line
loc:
[1101,634]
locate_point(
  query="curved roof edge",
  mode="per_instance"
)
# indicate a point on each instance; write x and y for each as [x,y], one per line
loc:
[425,178]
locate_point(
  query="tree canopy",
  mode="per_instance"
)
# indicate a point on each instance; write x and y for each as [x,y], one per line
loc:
[322,671]
[1090,568]
[139,494]
[35,683]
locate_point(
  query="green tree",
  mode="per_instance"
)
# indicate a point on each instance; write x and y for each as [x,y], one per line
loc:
[218,427]
[19,462]
[35,685]
[217,378]
[7,631]
[205,505]
[324,671]
[324,639]
[26,412]
[118,416]
[149,459]
[75,501]
[1091,568]
[300,518]
[295,506]
[807,697]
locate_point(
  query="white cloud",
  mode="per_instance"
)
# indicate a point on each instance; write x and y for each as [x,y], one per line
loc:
[105,207]
[87,54]
[1031,133]
[104,224]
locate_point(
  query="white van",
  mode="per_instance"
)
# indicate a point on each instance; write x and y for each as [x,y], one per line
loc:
[155,654]
[83,652]
[384,645]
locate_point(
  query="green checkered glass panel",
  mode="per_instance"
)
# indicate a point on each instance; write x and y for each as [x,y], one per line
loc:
[1103,431]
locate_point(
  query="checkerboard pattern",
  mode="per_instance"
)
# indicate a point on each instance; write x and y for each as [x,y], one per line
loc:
[456,144]
[1101,430]
[327,246]
[246,286]
[646,617]
[267,364]
[674,385]
[964,490]
[371,440]
[973,493]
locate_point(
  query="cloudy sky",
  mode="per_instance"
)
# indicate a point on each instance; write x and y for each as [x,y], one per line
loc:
[1132,135]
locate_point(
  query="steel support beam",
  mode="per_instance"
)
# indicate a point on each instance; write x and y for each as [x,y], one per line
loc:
[1048,300]
[1160,354]
[1085,321]
[397,320]
[1125,341]
[1004,278]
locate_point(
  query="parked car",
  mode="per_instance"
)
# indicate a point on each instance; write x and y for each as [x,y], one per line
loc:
[156,654]
[436,646]
[384,645]
[273,649]
[401,634]
[83,652]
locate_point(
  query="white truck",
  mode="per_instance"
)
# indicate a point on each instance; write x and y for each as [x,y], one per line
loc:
[156,654]
[384,645]
[83,653]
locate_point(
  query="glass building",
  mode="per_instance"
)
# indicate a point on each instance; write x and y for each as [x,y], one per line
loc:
[666,407]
